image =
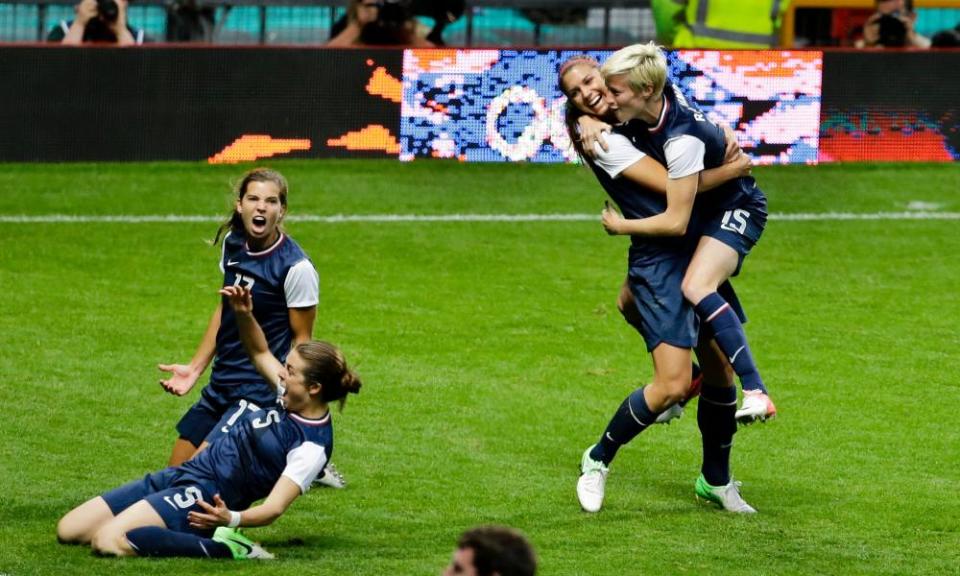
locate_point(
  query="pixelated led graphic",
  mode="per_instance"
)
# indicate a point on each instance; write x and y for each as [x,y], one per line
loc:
[770,98]
[250,147]
[505,105]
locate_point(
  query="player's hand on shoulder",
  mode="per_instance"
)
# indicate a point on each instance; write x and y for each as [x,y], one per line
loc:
[239,297]
[744,165]
[181,380]
[733,147]
[593,132]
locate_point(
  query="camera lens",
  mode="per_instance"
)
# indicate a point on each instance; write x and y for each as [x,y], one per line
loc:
[108,10]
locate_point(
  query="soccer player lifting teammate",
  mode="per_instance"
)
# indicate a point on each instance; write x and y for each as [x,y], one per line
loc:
[590,120]
[658,264]
[274,454]
[284,284]
[658,118]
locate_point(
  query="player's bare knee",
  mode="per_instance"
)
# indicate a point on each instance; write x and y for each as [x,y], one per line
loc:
[693,290]
[106,542]
[68,533]
[674,388]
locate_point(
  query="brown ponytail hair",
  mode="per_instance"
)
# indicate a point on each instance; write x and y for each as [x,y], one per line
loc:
[326,366]
[234,222]
[570,112]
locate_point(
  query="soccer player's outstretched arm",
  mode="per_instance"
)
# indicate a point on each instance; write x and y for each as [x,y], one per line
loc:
[184,376]
[252,335]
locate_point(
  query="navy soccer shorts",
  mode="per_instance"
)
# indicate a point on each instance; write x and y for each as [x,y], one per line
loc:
[739,228]
[171,492]
[665,315]
[203,416]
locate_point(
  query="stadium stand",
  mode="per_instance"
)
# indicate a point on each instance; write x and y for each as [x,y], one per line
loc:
[308,22]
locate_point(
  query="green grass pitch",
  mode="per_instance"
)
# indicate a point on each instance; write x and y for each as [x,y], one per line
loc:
[492,354]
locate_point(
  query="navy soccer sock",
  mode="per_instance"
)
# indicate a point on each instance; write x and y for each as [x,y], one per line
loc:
[156,541]
[716,419]
[632,417]
[727,330]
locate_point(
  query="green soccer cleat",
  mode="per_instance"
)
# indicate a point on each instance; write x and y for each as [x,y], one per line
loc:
[726,497]
[240,546]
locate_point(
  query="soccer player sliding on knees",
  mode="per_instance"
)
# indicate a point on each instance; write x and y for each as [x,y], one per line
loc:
[272,455]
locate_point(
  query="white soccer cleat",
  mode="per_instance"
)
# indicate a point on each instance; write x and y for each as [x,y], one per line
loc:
[330,477]
[756,406]
[672,413]
[726,497]
[590,485]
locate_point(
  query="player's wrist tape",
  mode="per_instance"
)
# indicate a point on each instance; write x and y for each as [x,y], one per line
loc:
[234,519]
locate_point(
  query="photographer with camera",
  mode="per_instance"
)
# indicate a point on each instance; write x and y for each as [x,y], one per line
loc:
[100,21]
[891,26]
[378,23]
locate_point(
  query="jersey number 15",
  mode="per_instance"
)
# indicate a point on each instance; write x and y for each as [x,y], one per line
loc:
[735,220]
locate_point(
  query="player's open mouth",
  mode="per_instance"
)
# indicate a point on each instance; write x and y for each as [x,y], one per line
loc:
[259,223]
[282,392]
[595,101]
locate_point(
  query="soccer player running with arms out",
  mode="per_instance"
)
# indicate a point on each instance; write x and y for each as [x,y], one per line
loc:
[275,454]
[657,309]
[258,254]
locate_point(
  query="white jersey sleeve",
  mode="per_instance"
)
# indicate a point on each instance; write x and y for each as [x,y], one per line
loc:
[684,156]
[302,286]
[620,156]
[304,464]
[223,251]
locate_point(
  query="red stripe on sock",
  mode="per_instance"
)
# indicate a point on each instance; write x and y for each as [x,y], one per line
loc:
[719,310]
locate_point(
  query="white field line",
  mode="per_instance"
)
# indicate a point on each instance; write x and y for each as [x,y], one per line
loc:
[385,218]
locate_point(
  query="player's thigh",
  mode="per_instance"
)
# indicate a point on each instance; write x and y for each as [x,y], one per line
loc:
[183,450]
[627,305]
[202,417]
[671,369]
[80,524]
[111,537]
[726,240]
[713,263]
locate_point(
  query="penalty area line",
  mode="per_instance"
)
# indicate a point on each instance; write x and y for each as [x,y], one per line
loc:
[387,218]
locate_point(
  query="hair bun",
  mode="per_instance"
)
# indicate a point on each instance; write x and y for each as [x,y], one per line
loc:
[350,382]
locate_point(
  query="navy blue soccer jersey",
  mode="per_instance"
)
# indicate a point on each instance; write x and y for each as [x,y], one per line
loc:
[280,277]
[246,463]
[634,200]
[686,142]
